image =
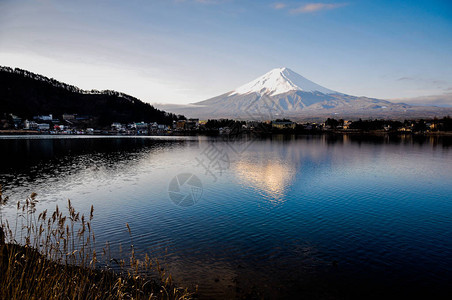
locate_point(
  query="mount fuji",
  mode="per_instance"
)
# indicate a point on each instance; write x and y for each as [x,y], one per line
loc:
[282,93]
[280,81]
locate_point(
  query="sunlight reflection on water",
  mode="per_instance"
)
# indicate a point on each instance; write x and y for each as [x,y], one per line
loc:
[283,212]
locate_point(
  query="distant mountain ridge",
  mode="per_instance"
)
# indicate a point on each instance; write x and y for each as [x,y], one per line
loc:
[282,93]
[27,94]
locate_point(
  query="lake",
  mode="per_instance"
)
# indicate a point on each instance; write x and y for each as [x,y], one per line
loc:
[286,216]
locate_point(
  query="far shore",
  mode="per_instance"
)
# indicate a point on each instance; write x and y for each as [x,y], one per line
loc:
[210,133]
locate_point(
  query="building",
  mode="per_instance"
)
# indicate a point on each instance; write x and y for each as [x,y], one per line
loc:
[43,126]
[60,127]
[284,124]
[141,128]
[154,127]
[16,120]
[405,129]
[117,126]
[192,124]
[68,117]
[44,118]
[30,125]
[180,124]
[347,124]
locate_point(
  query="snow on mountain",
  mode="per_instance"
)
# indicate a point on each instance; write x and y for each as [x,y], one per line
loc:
[282,93]
[280,81]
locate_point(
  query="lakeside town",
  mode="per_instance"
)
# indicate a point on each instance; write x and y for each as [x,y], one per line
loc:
[74,124]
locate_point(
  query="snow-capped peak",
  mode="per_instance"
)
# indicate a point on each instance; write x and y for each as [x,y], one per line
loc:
[280,81]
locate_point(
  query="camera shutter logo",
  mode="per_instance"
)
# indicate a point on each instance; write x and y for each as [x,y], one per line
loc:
[185,189]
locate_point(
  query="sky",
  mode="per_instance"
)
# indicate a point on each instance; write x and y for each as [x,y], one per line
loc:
[184,51]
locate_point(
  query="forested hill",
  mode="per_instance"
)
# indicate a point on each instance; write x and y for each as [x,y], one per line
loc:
[26,94]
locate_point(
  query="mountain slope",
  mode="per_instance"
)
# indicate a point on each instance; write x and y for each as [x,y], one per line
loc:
[284,93]
[27,94]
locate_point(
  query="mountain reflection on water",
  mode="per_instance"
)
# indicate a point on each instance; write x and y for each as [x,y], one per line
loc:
[316,216]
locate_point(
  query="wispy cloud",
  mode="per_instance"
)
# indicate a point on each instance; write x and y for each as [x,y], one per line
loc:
[206,1]
[444,100]
[405,79]
[279,5]
[201,1]
[424,81]
[315,7]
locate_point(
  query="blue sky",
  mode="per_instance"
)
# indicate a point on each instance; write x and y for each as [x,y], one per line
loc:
[181,51]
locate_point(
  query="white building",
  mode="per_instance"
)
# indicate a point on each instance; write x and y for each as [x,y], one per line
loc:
[117,126]
[31,125]
[43,126]
[44,118]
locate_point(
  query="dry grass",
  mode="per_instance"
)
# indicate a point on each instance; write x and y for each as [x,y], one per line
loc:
[53,256]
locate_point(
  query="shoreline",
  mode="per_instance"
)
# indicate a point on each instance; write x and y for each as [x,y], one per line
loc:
[214,133]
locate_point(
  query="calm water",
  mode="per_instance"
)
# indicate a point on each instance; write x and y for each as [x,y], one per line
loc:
[307,216]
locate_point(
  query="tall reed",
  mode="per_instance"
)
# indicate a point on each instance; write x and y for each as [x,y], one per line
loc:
[53,256]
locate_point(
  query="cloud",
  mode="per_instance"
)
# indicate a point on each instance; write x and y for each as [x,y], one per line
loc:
[314,7]
[405,79]
[212,1]
[201,1]
[424,81]
[279,5]
[444,100]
